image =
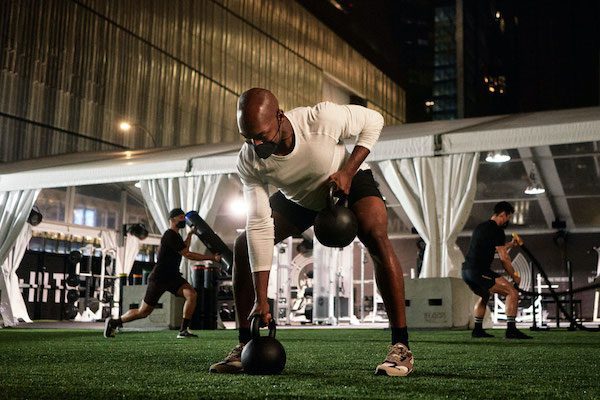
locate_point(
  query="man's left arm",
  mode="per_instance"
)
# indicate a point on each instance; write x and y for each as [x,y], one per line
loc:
[188,239]
[192,255]
[364,123]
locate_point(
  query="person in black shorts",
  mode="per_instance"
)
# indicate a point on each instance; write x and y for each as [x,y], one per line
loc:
[301,152]
[488,238]
[165,277]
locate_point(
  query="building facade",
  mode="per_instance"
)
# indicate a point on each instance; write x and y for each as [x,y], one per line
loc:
[71,70]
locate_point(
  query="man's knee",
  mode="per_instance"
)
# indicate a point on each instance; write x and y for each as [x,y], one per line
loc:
[513,292]
[379,234]
[192,295]
[144,312]
[375,237]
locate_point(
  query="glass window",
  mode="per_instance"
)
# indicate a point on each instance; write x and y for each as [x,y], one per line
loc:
[51,203]
[90,218]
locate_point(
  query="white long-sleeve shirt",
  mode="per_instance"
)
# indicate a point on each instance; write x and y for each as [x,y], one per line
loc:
[302,175]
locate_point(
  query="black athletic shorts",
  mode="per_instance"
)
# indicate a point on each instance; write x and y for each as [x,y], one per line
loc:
[156,288]
[363,185]
[480,282]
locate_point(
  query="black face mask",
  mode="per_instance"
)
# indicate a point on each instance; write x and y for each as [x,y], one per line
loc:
[265,149]
[181,224]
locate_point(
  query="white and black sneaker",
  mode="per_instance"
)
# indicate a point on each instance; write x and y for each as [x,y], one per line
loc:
[232,364]
[110,327]
[186,334]
[399,362]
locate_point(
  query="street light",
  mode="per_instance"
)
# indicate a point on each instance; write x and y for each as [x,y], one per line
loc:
[126,126]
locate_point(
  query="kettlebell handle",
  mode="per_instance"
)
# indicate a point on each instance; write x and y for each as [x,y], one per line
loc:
[255,327]
[332,202]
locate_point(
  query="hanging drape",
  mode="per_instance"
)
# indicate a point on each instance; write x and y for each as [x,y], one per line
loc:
[12,305]
[437,194]
[126,252]
[204,193]
[15,233]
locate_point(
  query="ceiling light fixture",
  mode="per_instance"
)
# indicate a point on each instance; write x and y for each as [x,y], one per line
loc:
[498,156]
[534,187]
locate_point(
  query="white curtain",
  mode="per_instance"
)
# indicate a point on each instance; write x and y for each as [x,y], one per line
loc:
[15,207]
[125,257]
[126,252]
[437,194]
[12,305]
[204,193]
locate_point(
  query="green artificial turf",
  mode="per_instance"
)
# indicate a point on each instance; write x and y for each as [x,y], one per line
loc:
[322,363]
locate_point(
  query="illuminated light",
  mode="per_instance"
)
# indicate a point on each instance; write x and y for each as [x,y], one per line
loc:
[138,184]
[535,189]
[498,15]
[429,103]
[128,154]
[486,79]
[124,126]
[497,157]
[238,207]
[534,186]
[491,89]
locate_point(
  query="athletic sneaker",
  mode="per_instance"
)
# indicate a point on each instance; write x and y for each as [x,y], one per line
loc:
[480,333]
[186,334]
[232,364]
[516,334]
[110,327]
[399,362]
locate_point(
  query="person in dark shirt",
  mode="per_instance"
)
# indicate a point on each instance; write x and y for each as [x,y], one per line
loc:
[488,238]
[166,277]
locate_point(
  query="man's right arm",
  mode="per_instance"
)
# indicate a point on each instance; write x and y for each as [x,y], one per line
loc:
[506,263]
[260,235]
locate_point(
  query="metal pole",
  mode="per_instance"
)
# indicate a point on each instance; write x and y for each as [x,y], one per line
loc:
[362,282]
[143,128]
[533,299]
[573,325]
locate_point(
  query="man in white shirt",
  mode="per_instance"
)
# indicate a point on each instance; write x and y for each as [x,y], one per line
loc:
[301,152]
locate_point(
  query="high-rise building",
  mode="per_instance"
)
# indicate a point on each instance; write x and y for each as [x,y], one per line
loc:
[499,57]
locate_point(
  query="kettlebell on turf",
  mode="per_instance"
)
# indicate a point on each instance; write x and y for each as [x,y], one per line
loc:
[263,355]
[335,225]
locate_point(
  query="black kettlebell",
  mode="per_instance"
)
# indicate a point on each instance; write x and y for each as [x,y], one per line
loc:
[263,355]
[75,256]
[335,225]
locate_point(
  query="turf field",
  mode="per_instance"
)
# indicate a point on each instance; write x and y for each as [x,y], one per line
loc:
[322,363]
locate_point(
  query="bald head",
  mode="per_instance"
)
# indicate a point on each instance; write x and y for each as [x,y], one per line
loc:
[257,111]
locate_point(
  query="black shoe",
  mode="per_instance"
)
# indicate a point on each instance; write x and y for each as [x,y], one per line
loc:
[480,333]
[110,327]
[516,334]
[186,334]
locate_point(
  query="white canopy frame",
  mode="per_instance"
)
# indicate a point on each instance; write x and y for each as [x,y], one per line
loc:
[408,141]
